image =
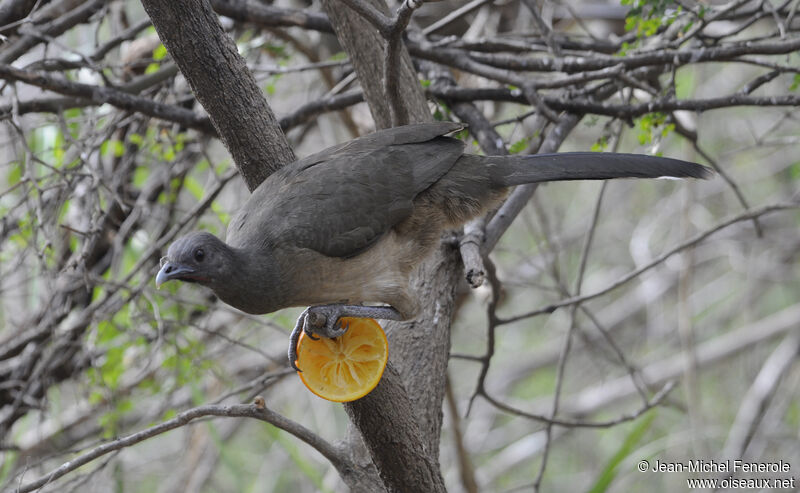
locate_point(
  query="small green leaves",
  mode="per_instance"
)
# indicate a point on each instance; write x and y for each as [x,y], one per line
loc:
[795,82]
[160,53]
[272,80]
[653,125]
[600,144]
[112,147]
[519,145]
[647,16]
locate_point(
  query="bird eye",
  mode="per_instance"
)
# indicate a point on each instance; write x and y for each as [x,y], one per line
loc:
[199,254]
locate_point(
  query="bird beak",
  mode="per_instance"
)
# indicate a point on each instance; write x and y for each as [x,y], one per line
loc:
[171,271]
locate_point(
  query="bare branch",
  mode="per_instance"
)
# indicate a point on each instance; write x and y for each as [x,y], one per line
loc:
[255,411]
[708,352]
[656,400]
[271,16]
[746,216]
[100,95]
[522,194]
[42,32]
[757,398]
[454,15]
[391,63]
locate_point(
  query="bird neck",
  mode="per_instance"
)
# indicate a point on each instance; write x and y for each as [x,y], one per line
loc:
[252,284]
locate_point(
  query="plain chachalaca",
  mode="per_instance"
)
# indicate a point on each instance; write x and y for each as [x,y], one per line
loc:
[347,225]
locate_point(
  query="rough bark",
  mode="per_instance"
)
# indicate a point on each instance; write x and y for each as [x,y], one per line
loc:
[365,46]
[419,349]
[393,438]
[218,76]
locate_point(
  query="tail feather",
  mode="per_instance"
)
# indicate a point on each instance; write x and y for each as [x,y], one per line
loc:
[517,170]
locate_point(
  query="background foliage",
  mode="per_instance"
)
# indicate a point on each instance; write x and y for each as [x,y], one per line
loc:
[107,156]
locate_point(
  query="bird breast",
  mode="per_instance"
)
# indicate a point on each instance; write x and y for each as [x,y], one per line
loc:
[378,275]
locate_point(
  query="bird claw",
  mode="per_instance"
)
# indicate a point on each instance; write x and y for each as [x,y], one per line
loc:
[323,320]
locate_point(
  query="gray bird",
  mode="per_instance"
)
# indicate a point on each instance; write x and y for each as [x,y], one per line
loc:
[347,225]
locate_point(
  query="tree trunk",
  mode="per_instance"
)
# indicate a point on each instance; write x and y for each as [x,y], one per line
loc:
[418,349]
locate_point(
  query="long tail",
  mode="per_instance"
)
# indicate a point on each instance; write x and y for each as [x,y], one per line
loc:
[515,170]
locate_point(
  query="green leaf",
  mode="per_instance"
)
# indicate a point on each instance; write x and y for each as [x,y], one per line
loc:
[136,139]
[461,134]
[112,368]
[794,170]
[194,187]
[608,473]
[600,145]
[112,146]
[276,50]
[270,86]
[9,461]
[519,145]
[106,331]
[140,175]
[124,405]
[14,174]
[223,216]
[795,82]
[160,53]
[168,154]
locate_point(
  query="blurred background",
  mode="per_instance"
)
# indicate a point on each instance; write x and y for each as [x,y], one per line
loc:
[685,348]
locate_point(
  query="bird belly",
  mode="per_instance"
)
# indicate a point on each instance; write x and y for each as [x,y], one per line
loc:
[378,275]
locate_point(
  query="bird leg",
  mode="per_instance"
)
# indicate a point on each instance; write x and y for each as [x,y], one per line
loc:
[324,320]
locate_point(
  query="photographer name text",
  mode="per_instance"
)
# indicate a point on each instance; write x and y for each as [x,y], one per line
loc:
[706,465]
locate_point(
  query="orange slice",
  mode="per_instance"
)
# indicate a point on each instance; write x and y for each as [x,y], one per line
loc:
[348,367]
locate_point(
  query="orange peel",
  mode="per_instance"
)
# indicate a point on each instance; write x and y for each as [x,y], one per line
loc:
[345,368]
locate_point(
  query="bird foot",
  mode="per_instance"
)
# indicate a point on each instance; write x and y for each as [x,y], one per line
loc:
[324,320]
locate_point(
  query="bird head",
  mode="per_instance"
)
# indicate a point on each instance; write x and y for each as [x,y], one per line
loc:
[197,257]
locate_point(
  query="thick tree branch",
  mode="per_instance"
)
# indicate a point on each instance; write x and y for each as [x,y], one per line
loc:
[398,450]
[98,95]
[391,60]
[659,57]
[270,16]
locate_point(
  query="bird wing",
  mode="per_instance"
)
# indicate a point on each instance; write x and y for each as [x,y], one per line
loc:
[340,201]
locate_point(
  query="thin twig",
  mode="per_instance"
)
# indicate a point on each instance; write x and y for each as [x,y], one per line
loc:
[656,400]
[255,411]
[746,216]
